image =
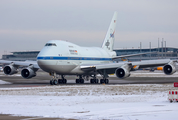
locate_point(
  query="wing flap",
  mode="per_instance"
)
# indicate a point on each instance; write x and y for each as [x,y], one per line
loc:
[87,68]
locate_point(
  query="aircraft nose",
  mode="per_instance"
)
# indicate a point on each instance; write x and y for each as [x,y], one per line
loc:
[44,65]
[40,62]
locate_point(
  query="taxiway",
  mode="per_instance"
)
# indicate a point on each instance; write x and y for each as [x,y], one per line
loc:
[42,79]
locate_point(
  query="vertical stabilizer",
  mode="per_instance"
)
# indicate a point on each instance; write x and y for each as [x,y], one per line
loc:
[108,43]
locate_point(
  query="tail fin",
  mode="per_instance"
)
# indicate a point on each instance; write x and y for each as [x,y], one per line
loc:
[108,43]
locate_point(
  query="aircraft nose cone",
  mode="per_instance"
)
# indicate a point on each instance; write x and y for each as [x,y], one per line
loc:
[43,65]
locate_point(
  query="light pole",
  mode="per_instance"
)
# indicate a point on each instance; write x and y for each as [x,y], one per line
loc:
[150,50]
[162,47]
[165,50]
[140,49]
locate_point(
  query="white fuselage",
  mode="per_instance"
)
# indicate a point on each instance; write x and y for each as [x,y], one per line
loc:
[65,58]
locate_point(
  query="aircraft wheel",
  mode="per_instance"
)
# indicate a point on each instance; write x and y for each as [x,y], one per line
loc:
[77,81]
[51,82]
[64,81]
[92,81]
[55,82]
[96,80]
[106,81]
[59,81]
[101,81]
[81,80]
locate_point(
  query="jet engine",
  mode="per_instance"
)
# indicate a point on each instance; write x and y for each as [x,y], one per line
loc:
[10,70]
[123,71]
[28,72]
[169,69]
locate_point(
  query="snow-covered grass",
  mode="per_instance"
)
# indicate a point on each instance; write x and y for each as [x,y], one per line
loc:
[147,101]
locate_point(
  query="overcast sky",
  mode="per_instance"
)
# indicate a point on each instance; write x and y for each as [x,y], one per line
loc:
[29,24]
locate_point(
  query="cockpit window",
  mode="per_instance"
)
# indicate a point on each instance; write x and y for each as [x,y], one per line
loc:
[50,44]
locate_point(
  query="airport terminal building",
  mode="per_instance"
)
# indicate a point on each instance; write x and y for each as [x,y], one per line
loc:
[158,53]
[21,56]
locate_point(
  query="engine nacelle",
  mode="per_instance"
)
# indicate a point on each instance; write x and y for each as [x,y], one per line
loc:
[123,71]
[10,70]
[28,73]
[169,69]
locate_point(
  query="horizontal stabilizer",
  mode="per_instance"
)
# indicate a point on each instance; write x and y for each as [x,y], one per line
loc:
[130,55]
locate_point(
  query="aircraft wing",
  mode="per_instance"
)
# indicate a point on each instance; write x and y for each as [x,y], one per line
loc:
[130,55]
[111,67]
[21,63]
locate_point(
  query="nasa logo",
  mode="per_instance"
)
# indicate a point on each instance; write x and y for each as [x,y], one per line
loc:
[107,43]
[112,35]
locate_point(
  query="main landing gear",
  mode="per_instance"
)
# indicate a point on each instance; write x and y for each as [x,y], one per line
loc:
[104,81]
[55,80]
[62,81]
[105,76]
[80,80]
[94,80]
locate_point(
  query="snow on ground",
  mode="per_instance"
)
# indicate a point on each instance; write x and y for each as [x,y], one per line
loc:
[4,82]
[125,102]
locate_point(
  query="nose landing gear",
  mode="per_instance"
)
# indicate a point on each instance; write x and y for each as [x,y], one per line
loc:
[55,80]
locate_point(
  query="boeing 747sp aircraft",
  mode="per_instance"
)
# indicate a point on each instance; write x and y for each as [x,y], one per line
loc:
[60,58]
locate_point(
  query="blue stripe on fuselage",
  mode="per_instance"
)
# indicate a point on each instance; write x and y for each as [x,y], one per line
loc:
[73,58]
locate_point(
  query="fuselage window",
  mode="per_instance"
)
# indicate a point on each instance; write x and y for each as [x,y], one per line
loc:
[50,44]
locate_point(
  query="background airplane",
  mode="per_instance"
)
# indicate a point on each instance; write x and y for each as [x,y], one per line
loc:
[60,58]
